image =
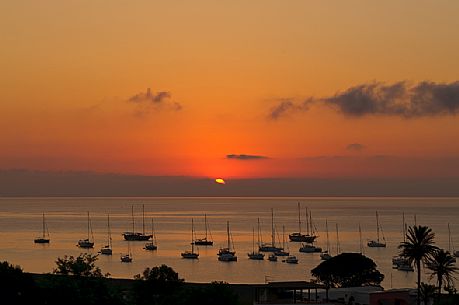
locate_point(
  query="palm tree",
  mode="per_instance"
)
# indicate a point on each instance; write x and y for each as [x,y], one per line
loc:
[418,247]
[427,292]
[442,266]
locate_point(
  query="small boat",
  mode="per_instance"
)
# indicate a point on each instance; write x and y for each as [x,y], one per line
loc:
[137,236]
[399,260]
[377,243]
[226,254]
[87,243]
[282,252]
[298,236]
[270,247]
[44,239]
[107,249]
[127,258]
[205,241]
[325,256]
[307,248]
[151,246]
[255,255]
[291,259]
[272,258]
[191,254]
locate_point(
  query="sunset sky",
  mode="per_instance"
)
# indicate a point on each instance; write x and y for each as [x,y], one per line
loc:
[238,89]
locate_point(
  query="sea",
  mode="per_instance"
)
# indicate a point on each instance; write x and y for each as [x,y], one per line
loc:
[66,221]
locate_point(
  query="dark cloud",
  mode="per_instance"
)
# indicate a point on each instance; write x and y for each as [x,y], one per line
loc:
[398,99]
[245,157]
[149,101]
[355,147]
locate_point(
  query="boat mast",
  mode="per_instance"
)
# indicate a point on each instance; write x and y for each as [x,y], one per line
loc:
[307,221]
[377,225]
[338,250]
[299,219]
[88,225]
[253,240]
[43,225]
[328,241]
[360,236]
[449,238]
[272,227]
[228,233]
[109,232]
[403,227]
[258,231]
[192,231]
[143,219]
[205,224]
[310,223]
[132,216]
[283,237]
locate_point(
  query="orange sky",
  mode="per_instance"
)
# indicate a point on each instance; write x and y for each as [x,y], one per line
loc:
[68,69]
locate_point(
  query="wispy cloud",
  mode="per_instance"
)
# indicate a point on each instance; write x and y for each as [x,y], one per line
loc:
[401,99]
[355,147]
[149,101]
[245,157]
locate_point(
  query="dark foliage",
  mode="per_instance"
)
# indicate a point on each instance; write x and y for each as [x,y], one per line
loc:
[216,293]
[83,265]
[16,287]
[348,270]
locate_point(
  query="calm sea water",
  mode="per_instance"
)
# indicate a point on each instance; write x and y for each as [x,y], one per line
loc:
[20,223]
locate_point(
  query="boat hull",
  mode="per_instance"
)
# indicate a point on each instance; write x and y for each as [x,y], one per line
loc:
[150,247]
[41,241]
[135,236]
[303,238]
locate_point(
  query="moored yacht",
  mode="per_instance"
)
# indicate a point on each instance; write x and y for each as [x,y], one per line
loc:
[205,241]
[87,243]
[151,246]
[226,254]
[137,236]
[298,236]
[44,239]
[377,243]
[191,254]
[107,249]
[255,255]
[270,247]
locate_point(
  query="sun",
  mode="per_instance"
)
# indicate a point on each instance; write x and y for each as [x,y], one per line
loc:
[220,181]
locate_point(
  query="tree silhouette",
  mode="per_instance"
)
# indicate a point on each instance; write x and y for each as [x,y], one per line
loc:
[442,266]
[418,248]
[83,265]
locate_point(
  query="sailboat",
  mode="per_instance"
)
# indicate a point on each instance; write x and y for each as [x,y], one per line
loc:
[377,243]
[255,255]
[400,261]
[151,246]
[107,249]
[44,239]
[282,252]
[226,254]
[137,236]
[127,258]
[272,246]
[191,254]
[325,255]
[204,241]
[291,259]
[309,247]
[87,243]
[298,236]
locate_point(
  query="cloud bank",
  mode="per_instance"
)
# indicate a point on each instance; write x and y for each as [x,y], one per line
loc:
[355,147]
[245,157]
[401,99]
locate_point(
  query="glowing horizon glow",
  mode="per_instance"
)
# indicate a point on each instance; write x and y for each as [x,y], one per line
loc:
[220,181]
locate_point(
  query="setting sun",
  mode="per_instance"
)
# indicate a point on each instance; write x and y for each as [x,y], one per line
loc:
[220,181]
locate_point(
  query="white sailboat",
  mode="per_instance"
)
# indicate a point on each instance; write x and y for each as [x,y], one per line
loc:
[107,249]
[227,254]
[44,239]
[87,243]
[191,254]
[377,243]
[153,245]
